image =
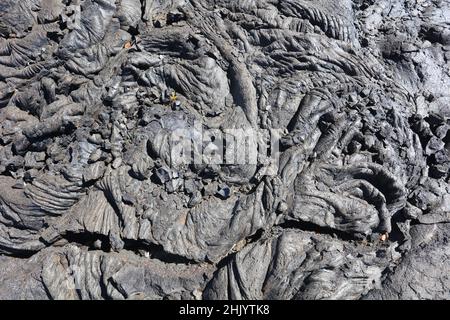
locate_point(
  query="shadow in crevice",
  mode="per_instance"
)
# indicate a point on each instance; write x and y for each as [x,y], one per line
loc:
[308,226]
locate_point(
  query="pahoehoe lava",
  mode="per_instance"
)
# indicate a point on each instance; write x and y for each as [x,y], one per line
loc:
[350,201]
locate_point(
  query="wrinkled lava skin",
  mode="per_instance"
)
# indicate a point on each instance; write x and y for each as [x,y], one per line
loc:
[356,207]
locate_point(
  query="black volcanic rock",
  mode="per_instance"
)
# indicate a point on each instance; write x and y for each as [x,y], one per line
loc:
[227,149]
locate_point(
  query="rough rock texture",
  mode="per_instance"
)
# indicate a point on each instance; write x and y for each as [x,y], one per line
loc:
[356,204]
